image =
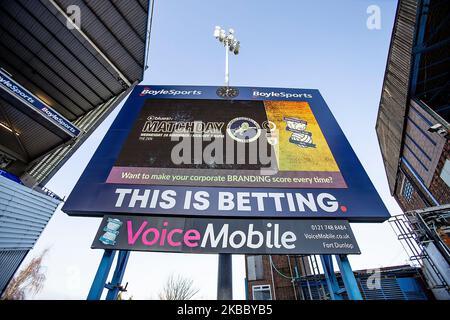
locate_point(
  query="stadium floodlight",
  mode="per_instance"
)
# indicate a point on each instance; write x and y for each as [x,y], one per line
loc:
[231,44]
[224,280]
[217,32]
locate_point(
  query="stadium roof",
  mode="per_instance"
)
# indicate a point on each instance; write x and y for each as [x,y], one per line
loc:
[417,69]
[71,68]
[430,77]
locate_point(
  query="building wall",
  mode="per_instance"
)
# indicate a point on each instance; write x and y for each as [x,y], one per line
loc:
[9,261]
[438,187]
[24,213]
[280,282]
[421,148]
[423,159]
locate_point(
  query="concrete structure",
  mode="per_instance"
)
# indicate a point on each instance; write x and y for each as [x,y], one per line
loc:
[413,132]
[78,59]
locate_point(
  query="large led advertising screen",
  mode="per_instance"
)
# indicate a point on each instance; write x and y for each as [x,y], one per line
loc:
[226,152]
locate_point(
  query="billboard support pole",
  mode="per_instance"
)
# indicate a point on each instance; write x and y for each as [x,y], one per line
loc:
[225,277]
[333,285]
[348,277]
[227,75]
[115,285]
[101,276]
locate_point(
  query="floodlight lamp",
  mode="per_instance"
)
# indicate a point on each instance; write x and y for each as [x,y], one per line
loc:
[435,127]
[237,46]
[222,35]
[236,49]
[217,31]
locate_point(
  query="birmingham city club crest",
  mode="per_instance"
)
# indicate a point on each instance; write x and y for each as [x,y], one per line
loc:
[299,136]
[111,231]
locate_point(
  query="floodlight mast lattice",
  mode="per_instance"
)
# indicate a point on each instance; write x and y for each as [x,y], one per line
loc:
[230,43]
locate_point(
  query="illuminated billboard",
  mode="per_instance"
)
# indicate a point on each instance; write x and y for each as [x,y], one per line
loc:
[218,152]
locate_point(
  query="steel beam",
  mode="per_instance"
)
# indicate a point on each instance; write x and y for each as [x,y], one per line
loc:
[95,293]
[225,277]
[333,285]
[351,286]
[115,285]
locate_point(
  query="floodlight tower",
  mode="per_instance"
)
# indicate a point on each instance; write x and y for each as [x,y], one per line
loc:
[225,276]
[230,43]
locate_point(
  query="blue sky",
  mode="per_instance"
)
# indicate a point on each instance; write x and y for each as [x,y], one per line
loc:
[324,45]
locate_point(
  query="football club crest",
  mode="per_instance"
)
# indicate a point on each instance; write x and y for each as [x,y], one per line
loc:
[243,129]
[111,231]
[299,136]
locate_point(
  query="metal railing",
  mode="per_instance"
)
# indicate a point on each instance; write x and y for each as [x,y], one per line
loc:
[411,231]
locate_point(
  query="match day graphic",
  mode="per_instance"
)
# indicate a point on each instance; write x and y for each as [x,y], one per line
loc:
[227,143]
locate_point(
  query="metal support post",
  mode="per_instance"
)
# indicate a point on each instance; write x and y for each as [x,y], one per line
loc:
[115,285]
[225,277]
[227,74]
[348,277]
[101,276]
[333,285]
[246,289]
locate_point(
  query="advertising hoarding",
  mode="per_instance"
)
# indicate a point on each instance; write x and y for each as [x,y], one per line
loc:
[237,236]
[34,103]
[255,152]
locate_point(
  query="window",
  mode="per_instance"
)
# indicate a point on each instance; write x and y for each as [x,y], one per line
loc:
[445,173]
[262,292]
[408,190]
[255,268]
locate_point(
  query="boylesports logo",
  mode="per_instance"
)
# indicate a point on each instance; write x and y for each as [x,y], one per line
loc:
[16,89]
[171,92]
[282,94]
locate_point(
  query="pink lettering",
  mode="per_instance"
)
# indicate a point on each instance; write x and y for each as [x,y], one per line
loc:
[163,234]
[170,239]
[132,238]
[188,238]
[155,236]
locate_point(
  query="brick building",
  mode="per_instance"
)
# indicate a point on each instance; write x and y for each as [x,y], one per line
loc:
[412,129]
[267,282]
[413,133]
[282,277]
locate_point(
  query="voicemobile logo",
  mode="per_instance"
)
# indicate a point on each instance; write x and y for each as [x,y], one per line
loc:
[170,92]
[282,94]
[213,236]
